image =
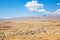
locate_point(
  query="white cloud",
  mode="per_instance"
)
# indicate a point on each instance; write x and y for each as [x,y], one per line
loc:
[41,10]
[57,11]
[58,4]
[34,6]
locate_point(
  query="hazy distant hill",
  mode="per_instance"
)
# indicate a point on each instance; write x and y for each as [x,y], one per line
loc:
[28,18]
[32,18]
[2,19]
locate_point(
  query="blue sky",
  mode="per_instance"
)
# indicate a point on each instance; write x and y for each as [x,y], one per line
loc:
[16,8]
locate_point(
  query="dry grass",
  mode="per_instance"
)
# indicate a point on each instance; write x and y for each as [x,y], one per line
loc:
[37,30]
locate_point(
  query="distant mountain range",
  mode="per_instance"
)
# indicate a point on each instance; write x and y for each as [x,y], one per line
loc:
[27,18]
[2,19]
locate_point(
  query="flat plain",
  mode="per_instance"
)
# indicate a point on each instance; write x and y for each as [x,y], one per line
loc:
[30,30]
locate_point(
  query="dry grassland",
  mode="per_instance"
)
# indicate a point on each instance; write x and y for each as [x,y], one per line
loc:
[38,30]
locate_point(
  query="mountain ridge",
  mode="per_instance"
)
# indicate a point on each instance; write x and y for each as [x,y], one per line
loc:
[28,18]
